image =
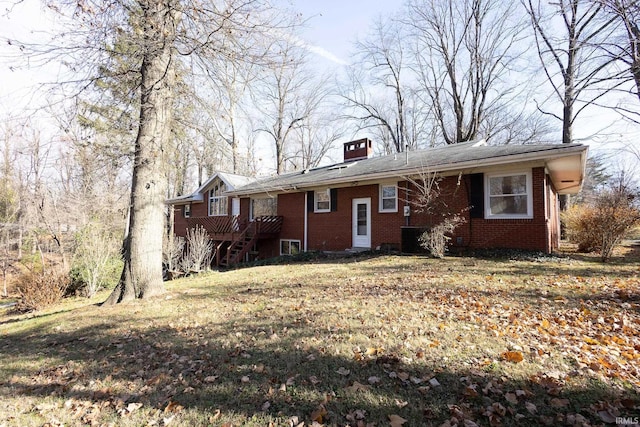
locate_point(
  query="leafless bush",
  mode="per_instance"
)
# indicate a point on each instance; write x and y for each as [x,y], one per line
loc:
[601,224]
[199,252]
[172,251]
[40,289]
[435,239]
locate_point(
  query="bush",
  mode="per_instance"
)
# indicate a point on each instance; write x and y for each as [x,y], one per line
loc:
[39,289]
[601,224]
[110,276]
[435,240]
[199,253]
[95,254]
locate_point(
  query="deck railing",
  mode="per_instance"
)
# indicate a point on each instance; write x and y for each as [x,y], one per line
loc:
[216,224]
[229,225]
[266,225]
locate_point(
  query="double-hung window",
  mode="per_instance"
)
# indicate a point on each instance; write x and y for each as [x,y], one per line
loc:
[322,201]
[186,211]
[388,198]
[509,195]
[218,204]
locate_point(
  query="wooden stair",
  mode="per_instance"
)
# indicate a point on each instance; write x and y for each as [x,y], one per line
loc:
[243,242]
[237,250]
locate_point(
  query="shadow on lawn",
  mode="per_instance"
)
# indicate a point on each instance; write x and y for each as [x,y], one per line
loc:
[202,368]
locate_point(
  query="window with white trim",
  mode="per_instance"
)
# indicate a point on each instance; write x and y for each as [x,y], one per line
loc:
[218,204]
[509,195]
[266,206]
[186,211]
[322,201]
[388,198]
[289,247]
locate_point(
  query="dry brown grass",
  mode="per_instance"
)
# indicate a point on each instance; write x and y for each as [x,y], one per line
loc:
[356,342]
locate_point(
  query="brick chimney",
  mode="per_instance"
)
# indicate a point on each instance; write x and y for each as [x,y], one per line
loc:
[357,150]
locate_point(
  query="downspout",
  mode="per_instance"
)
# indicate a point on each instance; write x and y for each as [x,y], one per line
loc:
[306,214]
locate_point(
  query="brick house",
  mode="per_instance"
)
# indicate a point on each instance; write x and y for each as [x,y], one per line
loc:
[507,195]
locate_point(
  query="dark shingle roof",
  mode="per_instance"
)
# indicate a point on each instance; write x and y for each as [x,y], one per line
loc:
[439,159]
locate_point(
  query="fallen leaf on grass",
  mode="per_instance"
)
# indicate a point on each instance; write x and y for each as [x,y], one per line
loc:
[511,398]
[373,351]
[396,420]
[401,403]
[512,356]
[357,387]
[215,416]
[133,406]
[531,408]
[319,413]
[607,417]
[343,371]
[373,380]
[559,403]
[173,407]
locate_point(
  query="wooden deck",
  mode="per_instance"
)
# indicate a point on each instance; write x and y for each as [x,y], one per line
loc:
[233,238]
[229,228]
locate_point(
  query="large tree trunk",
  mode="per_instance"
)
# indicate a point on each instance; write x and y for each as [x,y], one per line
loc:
[142,273]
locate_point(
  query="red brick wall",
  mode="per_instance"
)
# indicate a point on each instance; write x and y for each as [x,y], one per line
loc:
[528,234]
[333,230]
[179,221]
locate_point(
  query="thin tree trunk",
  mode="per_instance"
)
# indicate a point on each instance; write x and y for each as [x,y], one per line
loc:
[142,273]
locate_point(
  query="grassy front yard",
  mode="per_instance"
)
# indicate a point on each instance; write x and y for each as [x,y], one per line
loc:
[368,341]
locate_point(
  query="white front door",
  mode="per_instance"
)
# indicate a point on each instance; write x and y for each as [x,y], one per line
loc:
[361,223]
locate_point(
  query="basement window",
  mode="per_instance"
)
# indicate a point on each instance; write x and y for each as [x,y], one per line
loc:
[509,195]
[289,247]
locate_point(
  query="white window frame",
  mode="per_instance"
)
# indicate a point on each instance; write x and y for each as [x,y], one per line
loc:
[215,195]
[290,241]
[381,208]
[529,193]
[186,211]
[316,201]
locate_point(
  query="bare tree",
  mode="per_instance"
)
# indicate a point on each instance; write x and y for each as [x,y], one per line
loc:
[315,137]
[568,36]
[379,94]
[464,51]
[159,33]
[287,96]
